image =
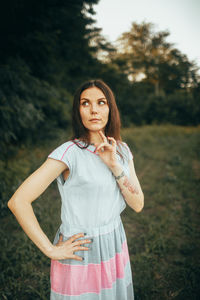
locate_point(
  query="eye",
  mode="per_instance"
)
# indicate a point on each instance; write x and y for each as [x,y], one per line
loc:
[104,102]
[84,103]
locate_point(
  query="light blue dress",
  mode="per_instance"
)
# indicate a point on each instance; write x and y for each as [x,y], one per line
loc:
[92,203]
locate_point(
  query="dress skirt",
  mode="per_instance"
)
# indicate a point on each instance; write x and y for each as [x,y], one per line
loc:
[104,274]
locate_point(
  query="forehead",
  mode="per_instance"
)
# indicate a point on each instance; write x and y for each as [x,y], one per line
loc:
[92,93]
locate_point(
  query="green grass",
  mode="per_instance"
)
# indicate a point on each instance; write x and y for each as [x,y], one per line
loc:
[163,239]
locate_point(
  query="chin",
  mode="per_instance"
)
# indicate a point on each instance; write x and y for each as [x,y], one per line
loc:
[95,127]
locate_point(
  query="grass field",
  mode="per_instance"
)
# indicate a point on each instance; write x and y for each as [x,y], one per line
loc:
[163,239]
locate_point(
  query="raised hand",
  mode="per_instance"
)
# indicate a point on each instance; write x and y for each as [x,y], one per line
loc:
[64,250]
[107,151]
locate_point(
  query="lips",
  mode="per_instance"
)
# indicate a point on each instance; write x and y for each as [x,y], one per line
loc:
[94,120]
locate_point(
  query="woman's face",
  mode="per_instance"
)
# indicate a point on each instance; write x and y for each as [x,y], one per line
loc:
[94,109]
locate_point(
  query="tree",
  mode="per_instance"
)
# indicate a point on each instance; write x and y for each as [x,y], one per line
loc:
[52,37]
[145,55]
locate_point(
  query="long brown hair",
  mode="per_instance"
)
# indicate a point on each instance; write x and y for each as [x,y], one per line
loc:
[113,125]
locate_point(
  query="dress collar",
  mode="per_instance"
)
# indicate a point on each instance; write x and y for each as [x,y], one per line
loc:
[90,148]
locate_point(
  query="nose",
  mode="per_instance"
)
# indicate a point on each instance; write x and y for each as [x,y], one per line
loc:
[94,108]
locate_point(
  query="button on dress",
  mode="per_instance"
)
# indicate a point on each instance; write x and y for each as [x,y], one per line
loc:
[92,203]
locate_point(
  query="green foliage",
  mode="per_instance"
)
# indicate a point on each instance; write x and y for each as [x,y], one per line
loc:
[19,109]
[146,55]
[31,112]
[44,55]
[27,105]
[142,106]
[52,37]
[48,49]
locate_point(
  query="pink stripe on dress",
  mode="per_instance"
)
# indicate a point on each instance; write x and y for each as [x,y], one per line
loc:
[66,150]
[87,149]
[75,280]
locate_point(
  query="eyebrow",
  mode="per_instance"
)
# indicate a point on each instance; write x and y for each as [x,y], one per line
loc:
[97,99]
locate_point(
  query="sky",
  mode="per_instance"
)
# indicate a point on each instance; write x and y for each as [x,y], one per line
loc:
[180,17]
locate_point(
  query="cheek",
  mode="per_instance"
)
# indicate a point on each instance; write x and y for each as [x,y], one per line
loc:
[106,112]
[82,113]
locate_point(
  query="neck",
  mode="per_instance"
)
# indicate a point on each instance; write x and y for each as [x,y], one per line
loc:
[95,137]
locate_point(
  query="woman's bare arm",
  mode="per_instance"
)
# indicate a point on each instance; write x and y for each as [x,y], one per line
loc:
[20,205]
[130,188]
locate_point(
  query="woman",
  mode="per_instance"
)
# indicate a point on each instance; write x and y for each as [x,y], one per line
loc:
[96,178]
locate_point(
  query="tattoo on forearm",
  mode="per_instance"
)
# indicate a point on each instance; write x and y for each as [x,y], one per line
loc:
[132,188]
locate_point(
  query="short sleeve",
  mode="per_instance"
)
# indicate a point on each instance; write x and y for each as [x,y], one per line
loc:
[64,153]
[128,152]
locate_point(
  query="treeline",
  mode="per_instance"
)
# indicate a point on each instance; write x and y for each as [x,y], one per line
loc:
[50,47]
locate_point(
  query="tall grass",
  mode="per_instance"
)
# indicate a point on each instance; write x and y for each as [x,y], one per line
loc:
[163,239]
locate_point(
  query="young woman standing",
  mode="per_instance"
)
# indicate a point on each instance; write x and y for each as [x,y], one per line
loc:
[96,178]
